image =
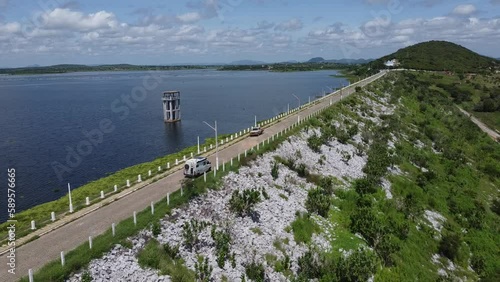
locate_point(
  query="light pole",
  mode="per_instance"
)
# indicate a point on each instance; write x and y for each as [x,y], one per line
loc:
[255,125]
[216,143]
[297,98]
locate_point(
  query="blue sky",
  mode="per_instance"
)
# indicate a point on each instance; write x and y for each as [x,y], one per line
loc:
[49,32]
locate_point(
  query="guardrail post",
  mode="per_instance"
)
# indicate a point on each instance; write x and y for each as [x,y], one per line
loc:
[182,191]
[205,176]
[168,165]
[223,166]
[128,183]
[159,168]
[53,216]
[149,173]
[30,275]
[245,153]
[168,199]
[176,161]
[33,227]
[231,162]
[113,229]
[62,258]
[116,186]
[87,201]
[102,194]
[90,242]
[135,218]
[139,178]
[239,157]
[152,208]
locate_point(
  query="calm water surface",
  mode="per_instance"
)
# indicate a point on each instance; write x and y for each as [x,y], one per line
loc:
[44,116]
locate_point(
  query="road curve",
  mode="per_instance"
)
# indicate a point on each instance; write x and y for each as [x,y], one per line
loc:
[35,254]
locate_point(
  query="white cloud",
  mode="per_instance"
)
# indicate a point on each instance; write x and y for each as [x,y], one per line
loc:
[189,17]
[464,10]
[290,25]
[68,19]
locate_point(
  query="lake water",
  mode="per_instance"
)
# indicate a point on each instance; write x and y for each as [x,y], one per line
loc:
[44,116]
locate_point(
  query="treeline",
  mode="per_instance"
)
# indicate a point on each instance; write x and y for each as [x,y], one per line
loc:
[85,68]
[286,67]
[489,102]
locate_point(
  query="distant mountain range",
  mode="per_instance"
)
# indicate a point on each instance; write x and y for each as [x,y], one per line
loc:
[341,61]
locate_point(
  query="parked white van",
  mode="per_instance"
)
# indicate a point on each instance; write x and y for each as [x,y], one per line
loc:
[197,166]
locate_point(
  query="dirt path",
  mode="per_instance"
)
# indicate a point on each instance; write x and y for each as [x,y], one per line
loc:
[35,254]
[492,133]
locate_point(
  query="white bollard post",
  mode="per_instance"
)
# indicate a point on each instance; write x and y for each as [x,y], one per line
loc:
[245,153]
[298,118]
[116,186]
[222,142]
[184,158]
[231,162]
[159,168]
[168,199]
[128,183]
[139,178]
[258,146]
[205,149]
[152,208]
[33,227]
[215,172]
[205,176]
[239,157]
[149,173]
[90,242]
[210,146]
[176,162]
[227,139]
[113,229]
[168,165]
[191,154]
[30,275]
[102,194]
[53,216]
[223,166]
[198,145]
[182,192]
[62,258]
[135,218]
[87,201]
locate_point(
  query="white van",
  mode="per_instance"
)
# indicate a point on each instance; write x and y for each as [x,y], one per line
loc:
[197,166]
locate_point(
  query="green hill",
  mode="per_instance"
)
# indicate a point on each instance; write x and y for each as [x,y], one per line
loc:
[439,56]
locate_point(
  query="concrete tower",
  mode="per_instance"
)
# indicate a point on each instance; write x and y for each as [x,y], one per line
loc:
[172,106]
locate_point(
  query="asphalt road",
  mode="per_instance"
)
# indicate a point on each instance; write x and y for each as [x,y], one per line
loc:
[492,133]
[35,254]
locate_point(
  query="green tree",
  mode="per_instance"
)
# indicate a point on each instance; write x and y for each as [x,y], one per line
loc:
[318,202]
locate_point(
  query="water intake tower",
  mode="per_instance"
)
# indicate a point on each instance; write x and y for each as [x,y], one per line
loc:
[172,106]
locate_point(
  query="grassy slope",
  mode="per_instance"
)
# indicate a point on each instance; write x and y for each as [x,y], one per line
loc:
[462,183]
[474,87]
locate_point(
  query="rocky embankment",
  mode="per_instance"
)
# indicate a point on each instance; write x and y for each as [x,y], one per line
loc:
[266,233]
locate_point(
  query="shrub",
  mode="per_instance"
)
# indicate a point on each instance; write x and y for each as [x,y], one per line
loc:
[302,170]
[275,170]
[359,266]
[318,202]
[171,251]
[190,232]
[314,142]
[309,265]
[450,245]
[203,270]
[243,203]
[222,240]
[255,271]
[303,228]
[156,228]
